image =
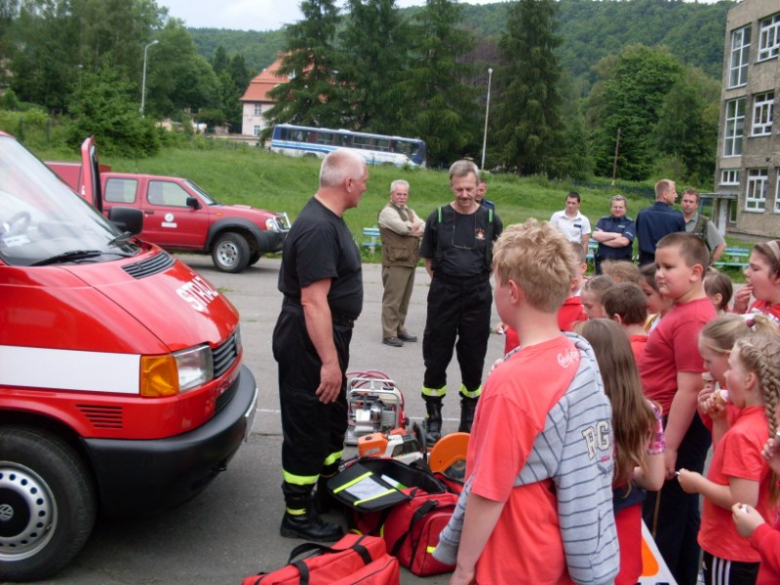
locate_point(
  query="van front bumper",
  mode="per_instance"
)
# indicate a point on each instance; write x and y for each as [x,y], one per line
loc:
[136,476]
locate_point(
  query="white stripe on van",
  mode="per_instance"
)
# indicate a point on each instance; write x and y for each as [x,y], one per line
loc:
[62,369]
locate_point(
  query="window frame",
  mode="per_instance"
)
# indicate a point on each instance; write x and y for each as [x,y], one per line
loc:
[756,183]
[734,175]
[258,110]
[763,109]
[741,52]
[737,123]
[768,38]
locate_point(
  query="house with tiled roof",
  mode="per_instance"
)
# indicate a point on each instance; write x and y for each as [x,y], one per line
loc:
[256,99]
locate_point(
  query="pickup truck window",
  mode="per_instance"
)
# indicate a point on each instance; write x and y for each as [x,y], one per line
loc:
[119,190]
[167,193]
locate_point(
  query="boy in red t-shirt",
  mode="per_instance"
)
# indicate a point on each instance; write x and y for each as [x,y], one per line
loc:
[627,304]
[532,265]
[671,369]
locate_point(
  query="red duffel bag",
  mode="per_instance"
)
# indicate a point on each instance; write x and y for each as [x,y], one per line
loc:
[352,560]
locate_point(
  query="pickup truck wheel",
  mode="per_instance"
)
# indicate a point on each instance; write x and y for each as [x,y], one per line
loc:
[254,258]
[230,252]
[47,504]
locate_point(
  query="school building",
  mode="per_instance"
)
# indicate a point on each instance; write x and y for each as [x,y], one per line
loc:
[748,163]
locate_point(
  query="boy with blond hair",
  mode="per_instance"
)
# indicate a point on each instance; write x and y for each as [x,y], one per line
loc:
[671,370]
[542,434]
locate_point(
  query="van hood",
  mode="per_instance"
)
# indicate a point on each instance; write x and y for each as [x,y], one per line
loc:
[177,305]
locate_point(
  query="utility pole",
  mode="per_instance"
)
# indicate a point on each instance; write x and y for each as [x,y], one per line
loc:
[487,113]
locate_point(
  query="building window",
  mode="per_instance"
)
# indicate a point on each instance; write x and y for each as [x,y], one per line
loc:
[769,37]
[256,130]
[733,208]
[762,113]
[777,192]
[740,56]
[258,110]
[729,177]
[735,125]
[755,197]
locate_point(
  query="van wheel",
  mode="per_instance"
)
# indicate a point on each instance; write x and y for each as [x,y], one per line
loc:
[47,504]
[230,252]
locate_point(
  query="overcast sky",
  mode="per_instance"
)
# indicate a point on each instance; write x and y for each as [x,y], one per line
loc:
[255,14]
[249,14]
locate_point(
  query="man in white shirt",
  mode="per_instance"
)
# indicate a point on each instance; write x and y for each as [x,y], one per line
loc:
[574,225]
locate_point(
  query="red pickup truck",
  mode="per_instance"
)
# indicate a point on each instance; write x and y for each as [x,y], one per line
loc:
[179,216]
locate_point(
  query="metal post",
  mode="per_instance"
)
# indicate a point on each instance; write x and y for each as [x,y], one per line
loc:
[487,112]
[143,79]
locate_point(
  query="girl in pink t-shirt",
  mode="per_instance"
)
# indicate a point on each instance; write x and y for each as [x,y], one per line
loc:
[639,438]
[738,472]
[763,282]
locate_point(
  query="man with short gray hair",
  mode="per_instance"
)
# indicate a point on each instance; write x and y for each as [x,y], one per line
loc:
[321,279]
[401,230]
[457,247]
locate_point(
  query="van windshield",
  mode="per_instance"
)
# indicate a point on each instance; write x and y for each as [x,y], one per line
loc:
[43,222]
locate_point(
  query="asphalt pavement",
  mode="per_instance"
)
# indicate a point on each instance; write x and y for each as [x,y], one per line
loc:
[231,530]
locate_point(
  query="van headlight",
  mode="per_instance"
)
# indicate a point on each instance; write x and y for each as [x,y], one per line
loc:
[168,375]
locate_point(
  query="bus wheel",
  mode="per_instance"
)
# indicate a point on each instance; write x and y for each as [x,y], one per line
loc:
[47,504]
[230,252]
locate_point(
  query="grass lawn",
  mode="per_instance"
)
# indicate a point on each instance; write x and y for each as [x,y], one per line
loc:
[253,176]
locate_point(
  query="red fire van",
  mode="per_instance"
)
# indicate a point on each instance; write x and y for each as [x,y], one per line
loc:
[122,388]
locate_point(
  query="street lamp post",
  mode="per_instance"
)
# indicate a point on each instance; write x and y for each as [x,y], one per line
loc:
[487,112]
[143,79]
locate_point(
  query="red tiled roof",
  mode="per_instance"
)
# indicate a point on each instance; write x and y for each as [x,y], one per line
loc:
[264,82]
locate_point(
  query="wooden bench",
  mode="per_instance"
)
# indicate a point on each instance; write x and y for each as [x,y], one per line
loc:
[374,241]
[733,258]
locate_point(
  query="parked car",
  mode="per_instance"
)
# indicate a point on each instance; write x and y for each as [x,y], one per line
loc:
[179,216]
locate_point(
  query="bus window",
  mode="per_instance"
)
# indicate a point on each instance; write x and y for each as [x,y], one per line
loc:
[324,138]
[383,144]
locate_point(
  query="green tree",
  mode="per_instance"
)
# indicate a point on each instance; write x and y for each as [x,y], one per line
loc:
[178,78]
[220,61]
[629,97]
[688,125]
[105,106]
[375,43]
[442,108]
[310,97]
[527,121]
[44,61]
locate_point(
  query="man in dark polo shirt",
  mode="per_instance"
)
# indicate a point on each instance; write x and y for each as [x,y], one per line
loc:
[457,247]
[658,220]
[322,282]
[615,233]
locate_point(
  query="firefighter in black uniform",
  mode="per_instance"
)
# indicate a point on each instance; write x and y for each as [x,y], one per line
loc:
[457,247]
[321,278]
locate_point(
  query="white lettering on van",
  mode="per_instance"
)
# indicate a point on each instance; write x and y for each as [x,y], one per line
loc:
[198,293]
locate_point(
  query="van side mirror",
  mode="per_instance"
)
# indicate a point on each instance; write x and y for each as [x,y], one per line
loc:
[193,202]
[127,219]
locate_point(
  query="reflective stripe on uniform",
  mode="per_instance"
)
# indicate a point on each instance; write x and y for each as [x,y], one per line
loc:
[299,479]
[332,458]
[62,369]
[470,393]
[296,512]
[434,392]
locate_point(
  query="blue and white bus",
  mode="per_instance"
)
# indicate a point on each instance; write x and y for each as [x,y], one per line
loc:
[375,148]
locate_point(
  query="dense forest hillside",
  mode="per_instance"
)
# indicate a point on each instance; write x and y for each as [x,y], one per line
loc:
[591,29]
